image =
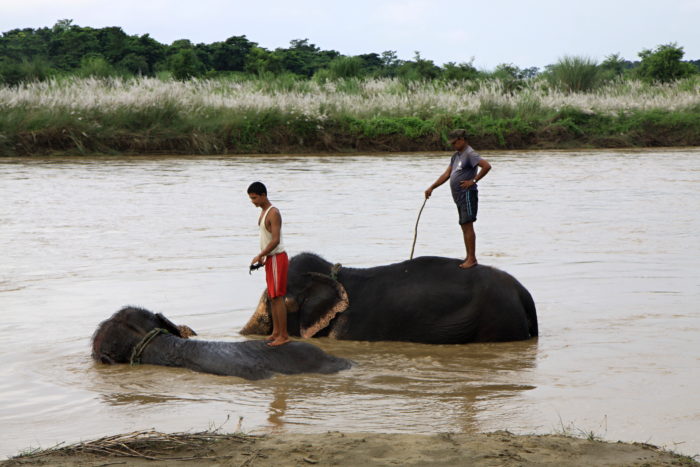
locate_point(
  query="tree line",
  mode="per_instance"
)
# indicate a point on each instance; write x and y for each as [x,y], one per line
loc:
[68,49]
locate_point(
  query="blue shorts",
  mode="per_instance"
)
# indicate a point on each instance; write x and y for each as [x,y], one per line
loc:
[467,205]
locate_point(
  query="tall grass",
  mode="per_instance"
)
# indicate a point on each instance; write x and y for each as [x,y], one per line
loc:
[358,98]
[575,74]
[240,114]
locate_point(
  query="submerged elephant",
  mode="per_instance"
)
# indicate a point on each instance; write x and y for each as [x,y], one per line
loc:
[427,299]
[138,336]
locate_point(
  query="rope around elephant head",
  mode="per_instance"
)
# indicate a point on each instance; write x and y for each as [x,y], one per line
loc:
[415,230]
[138,349]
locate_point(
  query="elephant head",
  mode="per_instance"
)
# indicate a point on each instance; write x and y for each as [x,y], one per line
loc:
[115,338]
[313,300]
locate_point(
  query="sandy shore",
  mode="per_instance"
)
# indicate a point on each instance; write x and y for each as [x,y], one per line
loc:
[350,449]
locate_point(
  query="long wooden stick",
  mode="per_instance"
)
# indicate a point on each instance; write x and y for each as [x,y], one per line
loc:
[415,230]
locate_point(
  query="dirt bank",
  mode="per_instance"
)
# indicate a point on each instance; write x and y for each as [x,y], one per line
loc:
[348,449]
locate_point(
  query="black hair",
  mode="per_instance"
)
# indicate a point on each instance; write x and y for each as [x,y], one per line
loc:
[459,133]
[258,188]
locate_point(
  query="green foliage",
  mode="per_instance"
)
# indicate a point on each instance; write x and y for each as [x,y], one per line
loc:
[18,45]
[459,72]
[412,127]
[614,65]
[346,67]
[65,46]
[323,75]
[664,64]
[511,77]
[13,73]
[185,64]
[96,67]
[372,64]
[67,49]
[229,55]
[574,74]
[260,61]
[10,73]
[388,64]
[70,44]
[690,84]
[303,58]
[135,65]
[418,69]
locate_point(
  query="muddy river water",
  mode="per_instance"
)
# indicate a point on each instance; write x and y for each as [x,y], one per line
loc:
[607,242]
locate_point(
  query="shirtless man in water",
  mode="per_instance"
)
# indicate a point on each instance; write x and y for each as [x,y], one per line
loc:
[462,173]
[274,257]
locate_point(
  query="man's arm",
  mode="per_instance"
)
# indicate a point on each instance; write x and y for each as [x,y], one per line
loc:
[484,168]
[441,179]
[273,223]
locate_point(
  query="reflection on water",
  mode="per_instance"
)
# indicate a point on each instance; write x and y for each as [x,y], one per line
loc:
[610,260]
[278,408]
[427,384]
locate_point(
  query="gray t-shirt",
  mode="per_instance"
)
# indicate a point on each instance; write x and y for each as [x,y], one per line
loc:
[463,168]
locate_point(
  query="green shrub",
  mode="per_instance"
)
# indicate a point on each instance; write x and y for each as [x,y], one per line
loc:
[346,67]
[664,64]
[613,67]
[13,73]
[574,74]
[135,64]
[419,69]
[464,71]
[96,67]
[185,64]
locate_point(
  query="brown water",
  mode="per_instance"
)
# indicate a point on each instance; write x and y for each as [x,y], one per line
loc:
[607,242]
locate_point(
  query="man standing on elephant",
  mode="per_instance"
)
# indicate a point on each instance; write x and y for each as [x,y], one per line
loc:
[274,257]
[463,176]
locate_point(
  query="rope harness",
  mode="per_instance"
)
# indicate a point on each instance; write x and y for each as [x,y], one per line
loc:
[335,270]
[138,349]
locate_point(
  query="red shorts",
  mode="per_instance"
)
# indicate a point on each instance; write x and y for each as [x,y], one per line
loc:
[276,267]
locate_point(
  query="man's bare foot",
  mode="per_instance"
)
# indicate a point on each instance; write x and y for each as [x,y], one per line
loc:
[470,263]
[271,337]
[279,341]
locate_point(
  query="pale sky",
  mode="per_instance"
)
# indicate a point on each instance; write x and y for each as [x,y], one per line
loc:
[522,32]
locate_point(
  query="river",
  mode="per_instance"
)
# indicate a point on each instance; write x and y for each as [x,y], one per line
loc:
[606,241]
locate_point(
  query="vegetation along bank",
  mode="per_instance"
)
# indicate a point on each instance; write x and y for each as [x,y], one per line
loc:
[76,90]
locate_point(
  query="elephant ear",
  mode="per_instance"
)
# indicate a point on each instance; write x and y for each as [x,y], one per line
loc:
[168,325]
[324,298]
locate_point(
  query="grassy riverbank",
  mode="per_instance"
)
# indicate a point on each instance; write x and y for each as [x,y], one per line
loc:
[147,115]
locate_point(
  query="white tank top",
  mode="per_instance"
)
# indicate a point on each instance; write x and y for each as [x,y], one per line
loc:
[266,236]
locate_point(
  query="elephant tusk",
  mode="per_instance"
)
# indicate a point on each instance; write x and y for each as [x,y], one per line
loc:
[185,331]
[261,321]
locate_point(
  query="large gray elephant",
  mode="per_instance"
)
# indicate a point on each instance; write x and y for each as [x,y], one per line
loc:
[138,336]
[427,299]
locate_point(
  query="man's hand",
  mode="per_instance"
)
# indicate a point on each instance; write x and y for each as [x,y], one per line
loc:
[258,259]
[466,183]
[428,192]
